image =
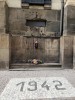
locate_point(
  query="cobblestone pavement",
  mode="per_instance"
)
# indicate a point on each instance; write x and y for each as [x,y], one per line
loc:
[5,76]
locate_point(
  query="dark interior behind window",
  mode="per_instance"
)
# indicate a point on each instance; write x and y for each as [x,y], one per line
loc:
[36,23]
[37,1]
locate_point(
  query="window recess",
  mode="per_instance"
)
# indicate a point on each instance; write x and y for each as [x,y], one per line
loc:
[36,23]
[37,2]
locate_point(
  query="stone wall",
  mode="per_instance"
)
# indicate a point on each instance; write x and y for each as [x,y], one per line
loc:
[4,51]
[4,38]
[3,16]
[23,49]
[18,17]
[19,47]
[69,18]
[23,37]
[68,51]
[56,4]
[69,32]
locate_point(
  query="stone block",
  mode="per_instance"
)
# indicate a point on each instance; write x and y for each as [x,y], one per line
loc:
[53,26]
[4,51]
[26,6]
[52,44]
[70,11]
[14,4]
[36,7]
[58,15]
[52,15]
[15,14]
[69,20]
[4,54]
[17,55]
[54,53]
[70,25]
[52,56]
[2,30]
[49,15]
[16,25]
[68,52]
[68,63]
[2,4]
[2,21]
[68,42]
[4,65]
[71,29]
[52,50]
[2,11]
[3,17]
[47,7]
[56,4]
[4,41]
[16,42]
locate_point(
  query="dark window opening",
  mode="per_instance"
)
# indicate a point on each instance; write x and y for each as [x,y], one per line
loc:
[36,23]
[38,2]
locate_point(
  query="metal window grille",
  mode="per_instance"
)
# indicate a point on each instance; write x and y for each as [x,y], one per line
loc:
[47,1]
[37,1]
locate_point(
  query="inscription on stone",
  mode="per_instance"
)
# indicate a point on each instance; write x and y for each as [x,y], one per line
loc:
[38,88]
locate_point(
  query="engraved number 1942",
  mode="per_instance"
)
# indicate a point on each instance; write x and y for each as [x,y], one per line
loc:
[33,85]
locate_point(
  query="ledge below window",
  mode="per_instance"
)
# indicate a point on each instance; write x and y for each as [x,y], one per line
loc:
[27,6]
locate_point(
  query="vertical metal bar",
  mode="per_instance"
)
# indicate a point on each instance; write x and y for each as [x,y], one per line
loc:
[62,17]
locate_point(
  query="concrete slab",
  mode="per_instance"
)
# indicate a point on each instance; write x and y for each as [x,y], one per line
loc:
[38,88]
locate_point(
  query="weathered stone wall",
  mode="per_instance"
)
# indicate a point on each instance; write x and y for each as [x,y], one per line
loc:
[69,32]
[3,16]
[4,38]
[22,41]
[70,2]
[68,51]
[23,49]
[69,18]
[18,17]
[4,51]
[19,47]
[56,4]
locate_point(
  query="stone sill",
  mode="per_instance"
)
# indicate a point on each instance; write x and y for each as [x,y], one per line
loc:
[21,66]
[27,6]
[47,7]
[47,35]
